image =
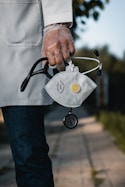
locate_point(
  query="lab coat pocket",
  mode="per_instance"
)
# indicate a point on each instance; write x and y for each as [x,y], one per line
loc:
[20,22]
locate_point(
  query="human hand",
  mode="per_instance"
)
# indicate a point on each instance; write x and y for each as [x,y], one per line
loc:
[57,45]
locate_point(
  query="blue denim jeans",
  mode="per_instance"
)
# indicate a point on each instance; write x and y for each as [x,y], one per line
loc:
[25,126]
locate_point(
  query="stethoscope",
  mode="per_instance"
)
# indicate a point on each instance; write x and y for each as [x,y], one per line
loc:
[70,120]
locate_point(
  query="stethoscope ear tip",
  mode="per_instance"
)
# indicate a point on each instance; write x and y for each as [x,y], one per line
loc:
[99,72]
[96,52]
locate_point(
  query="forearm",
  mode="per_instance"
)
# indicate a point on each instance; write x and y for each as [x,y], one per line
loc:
[57,40]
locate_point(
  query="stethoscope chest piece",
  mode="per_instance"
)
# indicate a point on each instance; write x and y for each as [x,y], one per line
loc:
[70,120]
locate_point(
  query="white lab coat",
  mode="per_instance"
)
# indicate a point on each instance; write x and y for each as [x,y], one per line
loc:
[21,25]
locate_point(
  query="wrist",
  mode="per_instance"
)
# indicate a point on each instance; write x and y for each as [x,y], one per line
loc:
[56,26]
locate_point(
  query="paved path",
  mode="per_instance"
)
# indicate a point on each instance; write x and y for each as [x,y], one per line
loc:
[83,157]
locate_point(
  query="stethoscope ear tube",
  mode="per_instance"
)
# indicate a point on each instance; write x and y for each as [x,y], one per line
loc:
[99,64]
[32,72]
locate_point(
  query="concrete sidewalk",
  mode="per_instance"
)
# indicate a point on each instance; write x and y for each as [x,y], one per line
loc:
[83,157]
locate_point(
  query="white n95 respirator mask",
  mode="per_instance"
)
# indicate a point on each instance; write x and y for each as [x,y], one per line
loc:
[70,88]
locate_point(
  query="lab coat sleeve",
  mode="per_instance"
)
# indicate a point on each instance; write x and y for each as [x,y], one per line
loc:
[57,11]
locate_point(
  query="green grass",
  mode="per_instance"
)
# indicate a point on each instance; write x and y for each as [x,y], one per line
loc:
[114,122]
[96,180]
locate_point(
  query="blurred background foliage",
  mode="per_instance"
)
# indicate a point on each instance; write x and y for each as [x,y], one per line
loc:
[111,114]
[83,9]
[114,122]
[113,66]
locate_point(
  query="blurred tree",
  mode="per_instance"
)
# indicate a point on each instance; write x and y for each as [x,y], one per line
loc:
[111,63]
[85,9]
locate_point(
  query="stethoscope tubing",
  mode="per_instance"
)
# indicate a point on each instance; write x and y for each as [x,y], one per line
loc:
[44,70]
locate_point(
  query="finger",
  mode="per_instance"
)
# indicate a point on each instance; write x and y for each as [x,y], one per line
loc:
[64,48]
[51,58]
[58,56]
[70,44]
[71,48]
[43,53]
[65,53]
[67,45]
[52,51]
[58,59]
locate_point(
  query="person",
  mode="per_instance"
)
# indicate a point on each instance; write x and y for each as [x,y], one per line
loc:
[31,29]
